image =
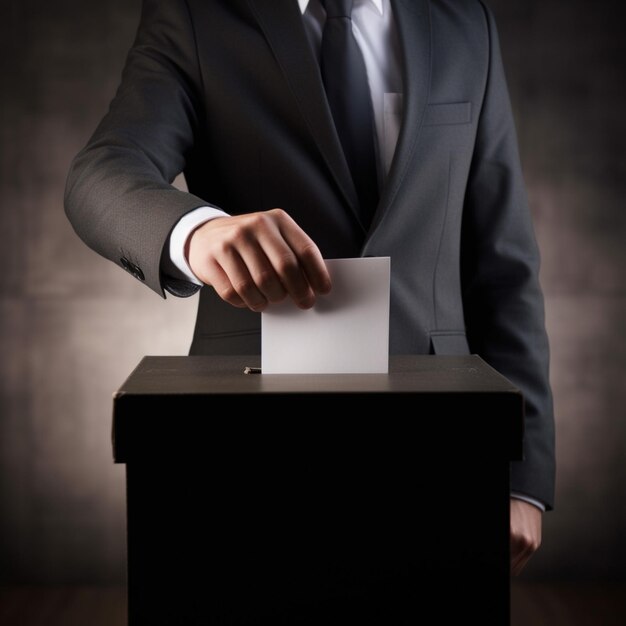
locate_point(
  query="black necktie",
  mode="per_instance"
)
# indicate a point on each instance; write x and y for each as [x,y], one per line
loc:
[348,93]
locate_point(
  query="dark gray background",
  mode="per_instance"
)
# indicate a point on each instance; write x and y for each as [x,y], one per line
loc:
[73,325]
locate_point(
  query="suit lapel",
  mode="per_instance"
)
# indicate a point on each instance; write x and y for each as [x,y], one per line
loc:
[282,25]
[412,19]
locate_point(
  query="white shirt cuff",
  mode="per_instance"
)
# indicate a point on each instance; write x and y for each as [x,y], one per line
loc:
[520,496]
[181,232]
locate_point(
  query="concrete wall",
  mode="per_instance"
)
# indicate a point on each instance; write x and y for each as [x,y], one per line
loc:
[72,326]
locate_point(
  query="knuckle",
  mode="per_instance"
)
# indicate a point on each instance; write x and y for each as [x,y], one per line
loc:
[223,247]
[243,232]
[229,294]
[265,279]
[277,213]
[247,291]
[239,232]
[287,265]
[518,539]
[243,287]
[309,252]
[528,542]
[256,220]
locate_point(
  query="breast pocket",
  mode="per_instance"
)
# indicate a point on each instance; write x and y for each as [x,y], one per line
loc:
[448,113]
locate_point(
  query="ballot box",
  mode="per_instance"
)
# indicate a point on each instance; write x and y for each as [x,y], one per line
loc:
[317,499]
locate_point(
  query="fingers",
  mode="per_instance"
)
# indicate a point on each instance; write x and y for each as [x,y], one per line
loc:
[249,270]
[521,551]
[525,534]
[254,259]
[224,288]
[309,256]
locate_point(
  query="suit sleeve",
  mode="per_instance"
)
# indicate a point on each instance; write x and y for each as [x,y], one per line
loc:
[118,195]
[503,302]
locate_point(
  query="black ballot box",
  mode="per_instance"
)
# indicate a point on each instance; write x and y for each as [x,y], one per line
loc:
[317,499]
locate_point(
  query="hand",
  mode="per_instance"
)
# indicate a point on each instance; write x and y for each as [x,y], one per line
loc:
[258,258]
[525,533]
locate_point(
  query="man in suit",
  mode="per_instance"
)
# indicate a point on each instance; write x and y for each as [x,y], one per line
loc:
[237,95]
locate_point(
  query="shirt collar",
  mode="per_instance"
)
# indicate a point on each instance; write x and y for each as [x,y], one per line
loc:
[377,3]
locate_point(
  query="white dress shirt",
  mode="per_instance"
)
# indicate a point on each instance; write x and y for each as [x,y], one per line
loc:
[375,32]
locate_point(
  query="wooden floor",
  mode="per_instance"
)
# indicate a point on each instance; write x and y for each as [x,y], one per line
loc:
[62,606]
[532,605]
[568,604]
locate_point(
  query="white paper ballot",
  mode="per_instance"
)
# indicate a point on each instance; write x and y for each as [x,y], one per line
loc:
[347,331]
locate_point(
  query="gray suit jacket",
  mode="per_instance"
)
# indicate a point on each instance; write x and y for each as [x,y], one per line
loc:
[231,94]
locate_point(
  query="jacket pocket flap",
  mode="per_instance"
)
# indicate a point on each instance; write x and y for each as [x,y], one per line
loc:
[449,343]
[453,113]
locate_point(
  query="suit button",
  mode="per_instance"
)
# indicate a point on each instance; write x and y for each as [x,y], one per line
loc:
[133,269]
